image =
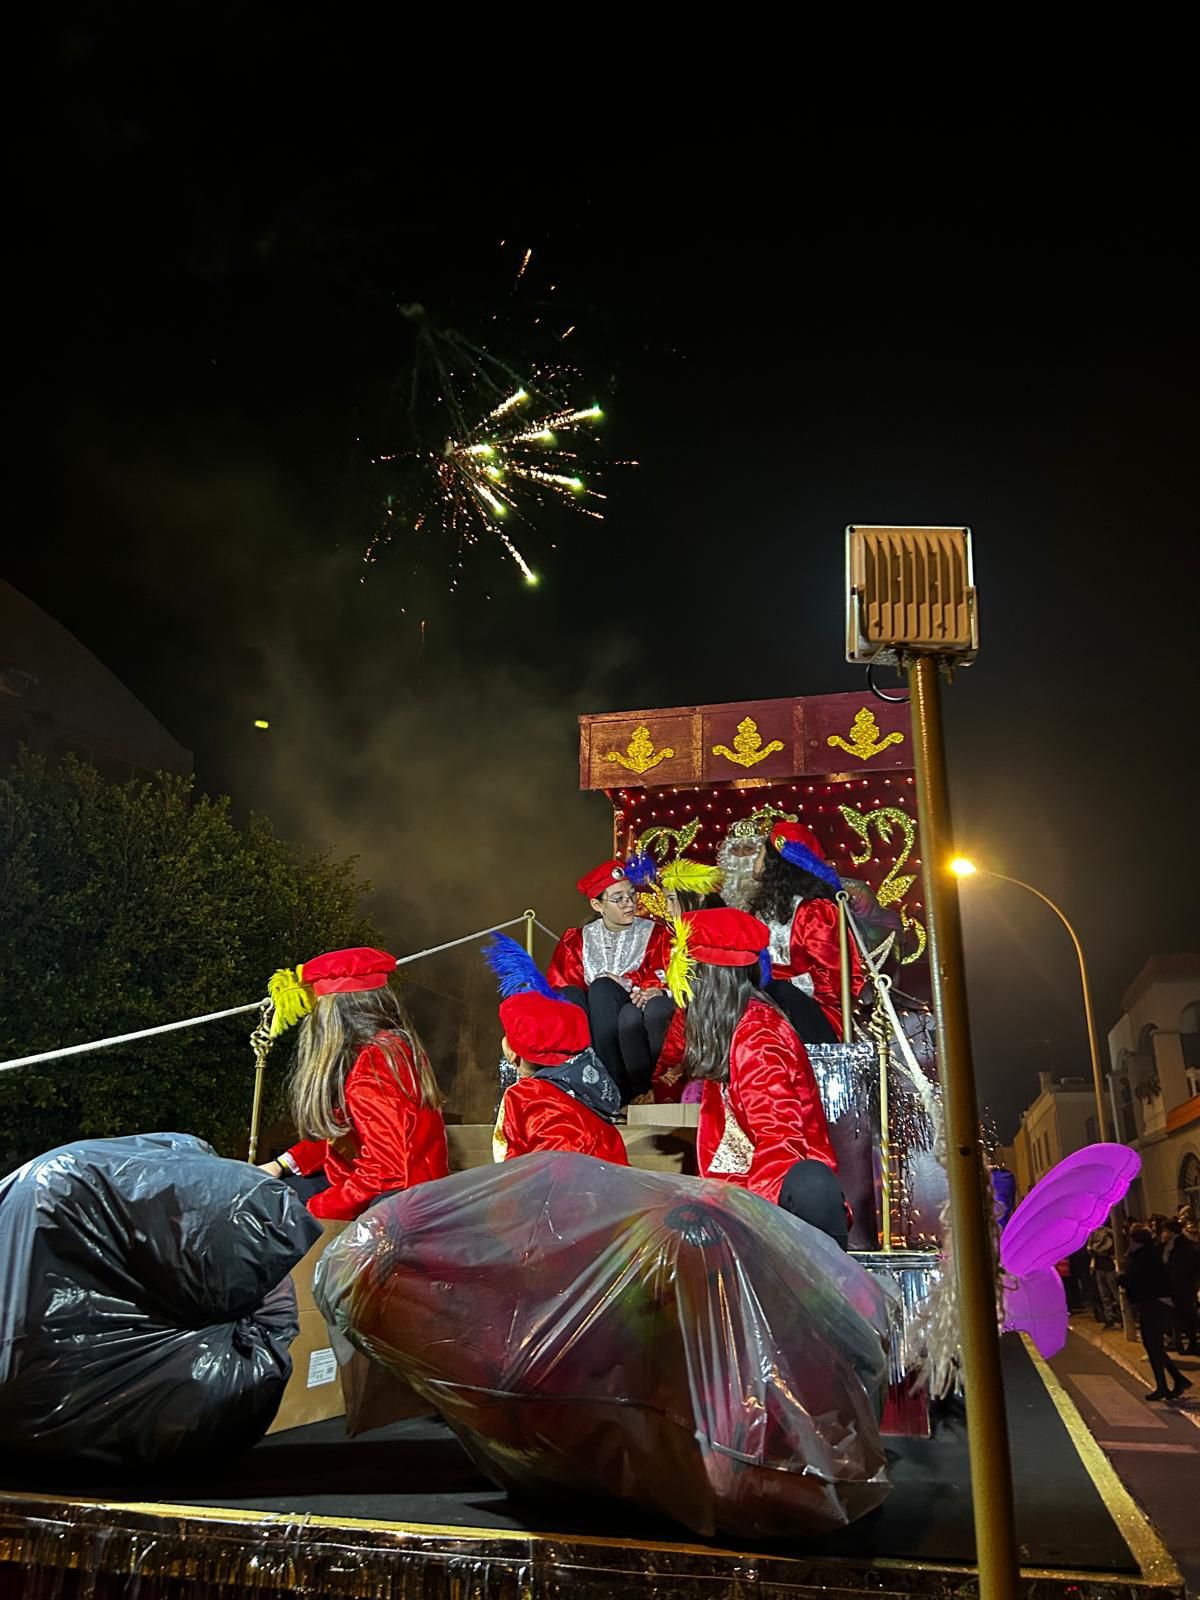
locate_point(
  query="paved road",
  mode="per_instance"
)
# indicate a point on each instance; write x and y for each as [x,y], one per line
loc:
[1155,1449]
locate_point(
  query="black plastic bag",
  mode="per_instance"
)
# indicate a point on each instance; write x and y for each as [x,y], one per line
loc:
[145,1305]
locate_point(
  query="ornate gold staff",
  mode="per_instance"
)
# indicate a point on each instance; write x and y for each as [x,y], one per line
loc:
[260,1043]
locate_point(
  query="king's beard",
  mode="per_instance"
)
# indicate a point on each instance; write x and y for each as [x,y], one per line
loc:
[739,886]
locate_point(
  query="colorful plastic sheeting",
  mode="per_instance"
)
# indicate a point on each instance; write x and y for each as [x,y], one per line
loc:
[145,1307]
[591,1330]
[1051,1223]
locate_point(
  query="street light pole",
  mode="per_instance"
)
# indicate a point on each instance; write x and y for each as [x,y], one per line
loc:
[1085,985]
[970,1190]
[963,868]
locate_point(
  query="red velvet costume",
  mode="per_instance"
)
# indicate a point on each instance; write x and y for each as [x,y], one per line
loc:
[774,1097]
[394,1141]
[813,949]
[536,1115]
[567,967]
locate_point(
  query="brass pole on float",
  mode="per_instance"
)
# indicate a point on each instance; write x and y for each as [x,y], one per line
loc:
[256,1111]
[530,917]
[260,1043]
[970,1210]
[844,961]
[885,1139]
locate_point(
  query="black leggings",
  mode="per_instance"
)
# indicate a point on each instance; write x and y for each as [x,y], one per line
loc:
[604,1000]
[1155,1320]
[315,1183]
[811,1191]
[802,1011]
[640,1034]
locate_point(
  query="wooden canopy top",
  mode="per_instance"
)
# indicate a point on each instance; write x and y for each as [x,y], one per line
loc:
[751,741]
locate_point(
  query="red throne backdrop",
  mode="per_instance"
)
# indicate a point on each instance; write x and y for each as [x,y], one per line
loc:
[842,763]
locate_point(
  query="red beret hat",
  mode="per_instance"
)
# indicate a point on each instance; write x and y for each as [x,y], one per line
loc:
[725,937]
[594,883]
[345,971]
[796,833]
[545,1032]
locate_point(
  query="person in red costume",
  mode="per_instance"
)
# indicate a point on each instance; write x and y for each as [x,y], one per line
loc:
[796,897]
[564,1097]
[762,1125]
[609,962]
[364,1097]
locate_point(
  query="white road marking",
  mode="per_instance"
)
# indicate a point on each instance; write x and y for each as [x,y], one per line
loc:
[1162,1449]
[1113,1401]
[1189,1409]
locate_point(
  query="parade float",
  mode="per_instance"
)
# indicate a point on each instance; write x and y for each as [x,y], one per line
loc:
[443,1498]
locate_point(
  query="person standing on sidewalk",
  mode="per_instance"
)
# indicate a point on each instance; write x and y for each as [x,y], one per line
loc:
[1145,1282]
[1182,1260]
[1104,1273]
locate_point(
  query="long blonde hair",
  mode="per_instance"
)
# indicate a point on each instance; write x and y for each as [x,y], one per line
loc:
[331,1040]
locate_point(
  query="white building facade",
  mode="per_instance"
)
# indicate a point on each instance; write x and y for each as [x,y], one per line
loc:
[1154,1083]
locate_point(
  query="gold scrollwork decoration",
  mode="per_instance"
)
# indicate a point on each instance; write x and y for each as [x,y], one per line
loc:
[748,748]
[897,882]
[640,755]
[864,741]
[665,842]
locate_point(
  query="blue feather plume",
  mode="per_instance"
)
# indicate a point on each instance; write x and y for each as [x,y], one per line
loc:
[515,969]
[641,868]
[801,856]
[764,968]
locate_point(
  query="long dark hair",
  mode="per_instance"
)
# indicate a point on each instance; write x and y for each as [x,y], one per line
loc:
[719,1000]
[781,883]
[689,900]
[331,1038]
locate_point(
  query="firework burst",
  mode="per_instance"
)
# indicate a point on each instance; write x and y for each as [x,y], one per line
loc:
[520,454]
[490,444]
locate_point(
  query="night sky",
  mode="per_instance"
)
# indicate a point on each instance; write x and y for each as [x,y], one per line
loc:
[805,332]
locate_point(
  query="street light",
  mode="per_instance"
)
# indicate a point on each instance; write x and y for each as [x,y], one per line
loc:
[964,867]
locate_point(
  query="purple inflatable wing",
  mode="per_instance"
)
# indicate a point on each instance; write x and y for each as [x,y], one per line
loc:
[1052,1222]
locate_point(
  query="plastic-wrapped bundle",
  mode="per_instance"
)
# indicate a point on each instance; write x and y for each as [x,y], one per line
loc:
[145,1307]
[588,1329]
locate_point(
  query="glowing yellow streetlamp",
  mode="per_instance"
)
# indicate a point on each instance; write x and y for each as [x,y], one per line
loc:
[964,867]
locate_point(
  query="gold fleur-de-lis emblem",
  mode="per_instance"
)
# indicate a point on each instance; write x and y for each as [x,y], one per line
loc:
[748,748]
[864,741]
[640,755]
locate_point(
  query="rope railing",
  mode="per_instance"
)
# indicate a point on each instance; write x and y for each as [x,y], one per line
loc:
[526,917]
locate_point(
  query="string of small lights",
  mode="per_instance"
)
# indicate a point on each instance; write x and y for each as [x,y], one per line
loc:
[868,826]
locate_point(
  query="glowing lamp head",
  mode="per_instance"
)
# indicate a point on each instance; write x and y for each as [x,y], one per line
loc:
[962,867]
[259,722]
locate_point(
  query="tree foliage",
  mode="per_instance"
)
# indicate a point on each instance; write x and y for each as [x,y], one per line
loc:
[127,905]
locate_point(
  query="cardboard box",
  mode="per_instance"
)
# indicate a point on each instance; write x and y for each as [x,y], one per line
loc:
[672,1114]
[329,1377]
[314,1391]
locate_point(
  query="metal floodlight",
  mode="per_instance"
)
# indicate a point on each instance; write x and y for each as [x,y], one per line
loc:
[910,591]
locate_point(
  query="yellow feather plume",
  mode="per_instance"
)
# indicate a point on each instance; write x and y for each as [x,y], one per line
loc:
[693,877]
[680,965]
[291,997]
